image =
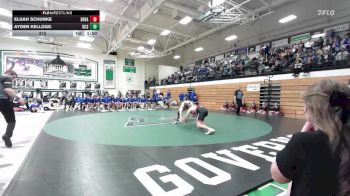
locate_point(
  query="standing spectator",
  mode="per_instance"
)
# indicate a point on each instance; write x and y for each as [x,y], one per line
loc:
[6,107]
[146,84]
[238,96]
[154,81]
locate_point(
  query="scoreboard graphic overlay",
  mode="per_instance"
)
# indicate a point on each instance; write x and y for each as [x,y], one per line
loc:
[55,22]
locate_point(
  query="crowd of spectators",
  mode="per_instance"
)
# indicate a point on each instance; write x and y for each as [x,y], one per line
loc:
[329,52]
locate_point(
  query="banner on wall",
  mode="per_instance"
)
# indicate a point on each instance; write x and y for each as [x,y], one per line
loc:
[43,84]
[73,85]
[129,62]
[37,84]
[242,51]
[109,73]
[253,87]
[198,62]
[129,69]
[88,86]
[281,42]
[342,27]
[68,85]
[49,65]
[80,85]
[53,84]
[30,84]
[97,86]
[63,85]
[299,38]
[219,57]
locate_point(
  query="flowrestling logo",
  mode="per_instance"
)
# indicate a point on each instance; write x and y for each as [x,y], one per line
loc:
[325,12]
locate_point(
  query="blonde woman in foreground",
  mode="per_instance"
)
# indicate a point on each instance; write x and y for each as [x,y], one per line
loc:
[318,162]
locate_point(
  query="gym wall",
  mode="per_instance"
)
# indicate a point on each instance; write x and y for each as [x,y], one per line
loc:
[213,96]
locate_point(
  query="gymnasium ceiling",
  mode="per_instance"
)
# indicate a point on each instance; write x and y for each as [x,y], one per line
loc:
[129,24]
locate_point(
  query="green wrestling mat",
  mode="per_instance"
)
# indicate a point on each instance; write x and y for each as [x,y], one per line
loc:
[269,189]
[155,128]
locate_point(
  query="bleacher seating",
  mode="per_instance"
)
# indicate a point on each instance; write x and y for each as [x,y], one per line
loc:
[333,52]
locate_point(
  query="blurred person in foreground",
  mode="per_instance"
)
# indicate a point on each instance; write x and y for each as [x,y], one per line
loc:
[7,93]
[318,162]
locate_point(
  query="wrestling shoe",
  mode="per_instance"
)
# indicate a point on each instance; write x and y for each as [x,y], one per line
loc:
[210,131]
[7,141]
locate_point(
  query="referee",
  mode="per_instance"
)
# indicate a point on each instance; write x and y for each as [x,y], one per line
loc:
[6,105]
[238,97]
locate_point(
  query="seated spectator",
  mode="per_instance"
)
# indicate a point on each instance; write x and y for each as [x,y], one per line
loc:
[315,59]
[263,108]
[252,108]
[275,110]
[227,72]
[255,65]
[219,71]
[241,67]
[330,57]
[225,107]
[317,162]
[232,106]
[346,43]
[244,106]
